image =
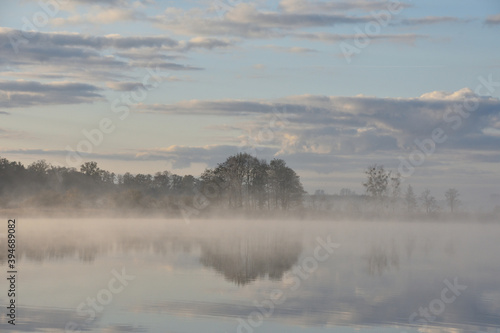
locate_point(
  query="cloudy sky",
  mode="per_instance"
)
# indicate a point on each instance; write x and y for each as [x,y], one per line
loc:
[328,86]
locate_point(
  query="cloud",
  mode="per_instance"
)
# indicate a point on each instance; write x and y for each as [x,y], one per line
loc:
[304,6]
[100,12]
[245,20]
[10,134]
[125,86]
[88,58]
[429,20]
[30,93]
[293,49]
[99,15]
[107,2]
[199,107]
[125,328]
[326,133]
[129,86]
[205,43]
[408,38]
[353,125]
[58,46]
[493,19]
[64,39]
[180,156]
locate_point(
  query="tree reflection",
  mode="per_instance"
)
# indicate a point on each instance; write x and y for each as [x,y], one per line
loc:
[382,258]
[244,259]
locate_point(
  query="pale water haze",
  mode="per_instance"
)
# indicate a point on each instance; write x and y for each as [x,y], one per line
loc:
[157,275]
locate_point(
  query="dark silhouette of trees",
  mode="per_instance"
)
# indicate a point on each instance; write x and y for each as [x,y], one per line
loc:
[284,186]
[377,181]
[244,182]
[241,182]
[383,187]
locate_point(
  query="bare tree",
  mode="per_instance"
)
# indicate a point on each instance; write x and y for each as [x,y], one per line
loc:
[318,199]
[345,192]
[452,199]
[410,199]
[395,186]
[428,201]
[378,181]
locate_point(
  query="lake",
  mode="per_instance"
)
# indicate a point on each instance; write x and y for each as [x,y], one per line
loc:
[160,275]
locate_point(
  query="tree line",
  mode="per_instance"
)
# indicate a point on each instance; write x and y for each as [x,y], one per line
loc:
[385,186]
[242,182]
[384,197]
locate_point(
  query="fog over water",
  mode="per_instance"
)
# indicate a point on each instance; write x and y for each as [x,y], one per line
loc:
[255,276]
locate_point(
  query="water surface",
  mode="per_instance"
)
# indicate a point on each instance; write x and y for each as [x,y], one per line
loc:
[254,276]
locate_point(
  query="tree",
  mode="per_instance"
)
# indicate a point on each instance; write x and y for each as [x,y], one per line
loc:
[410,199]
[345,192]
[452,199]
[428,201]
[318,199]
[212,185]
[378,180]
[285,186]
[244,179]
[176,184]
[161,182]
[39,168]
[395,187]
[91,169]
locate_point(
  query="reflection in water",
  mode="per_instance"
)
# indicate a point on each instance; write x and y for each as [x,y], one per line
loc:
[240,258]
[382,257]
[379,276]
[245,258]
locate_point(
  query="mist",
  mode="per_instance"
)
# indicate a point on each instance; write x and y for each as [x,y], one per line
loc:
[241,186]
[223,272]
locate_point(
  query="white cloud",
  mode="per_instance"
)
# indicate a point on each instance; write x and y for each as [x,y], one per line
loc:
[493,19]
[99,15]
[246,20]
[352,125]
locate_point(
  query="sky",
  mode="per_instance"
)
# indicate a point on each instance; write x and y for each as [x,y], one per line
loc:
[330,87]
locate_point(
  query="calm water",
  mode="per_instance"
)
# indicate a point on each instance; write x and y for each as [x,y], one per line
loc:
[110,275]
